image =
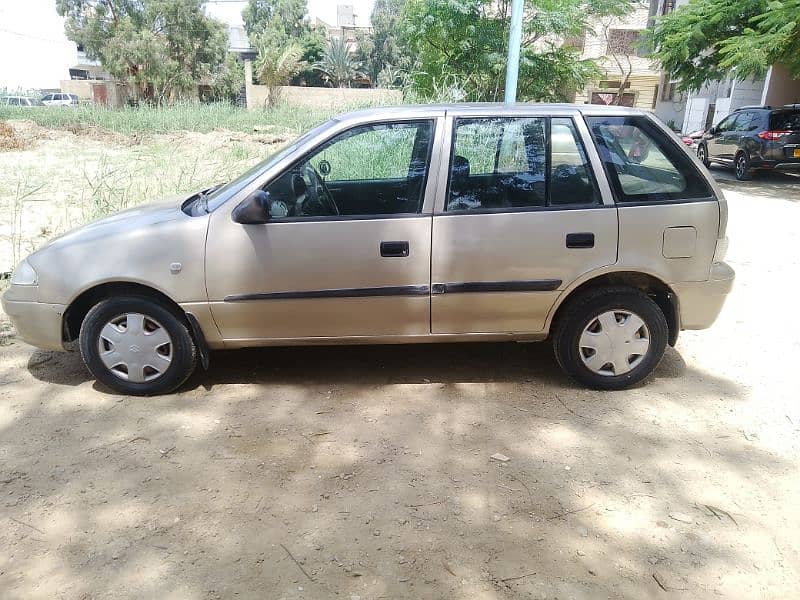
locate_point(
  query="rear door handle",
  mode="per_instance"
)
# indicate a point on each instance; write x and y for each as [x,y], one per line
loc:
[580,240]
[394,249]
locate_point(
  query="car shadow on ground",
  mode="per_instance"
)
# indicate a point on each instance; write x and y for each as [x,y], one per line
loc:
[371,365]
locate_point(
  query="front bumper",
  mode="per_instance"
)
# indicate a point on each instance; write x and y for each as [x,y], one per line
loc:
[700,302]
[37,323]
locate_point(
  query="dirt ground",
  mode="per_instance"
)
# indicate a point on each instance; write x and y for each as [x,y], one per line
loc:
[367,472]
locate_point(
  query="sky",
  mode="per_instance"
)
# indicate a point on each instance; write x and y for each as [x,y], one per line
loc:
[35,53]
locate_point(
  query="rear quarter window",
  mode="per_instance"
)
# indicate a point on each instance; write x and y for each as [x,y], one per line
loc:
[643,164]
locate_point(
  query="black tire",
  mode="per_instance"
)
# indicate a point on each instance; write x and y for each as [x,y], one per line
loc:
[741,167]
[583,309]
[183,349]
[702,154]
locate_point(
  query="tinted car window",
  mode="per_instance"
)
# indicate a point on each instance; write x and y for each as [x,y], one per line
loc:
[506,163]
[369,170]
[726,124]
[643,163]
[571,180]
[785,121]
[498,163]
[13,101]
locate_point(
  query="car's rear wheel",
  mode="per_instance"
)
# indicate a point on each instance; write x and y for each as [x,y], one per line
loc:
[610,338]
[742,167]
[137,346]
[702,154]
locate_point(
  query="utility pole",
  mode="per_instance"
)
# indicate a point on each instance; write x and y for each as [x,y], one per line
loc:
[514,42]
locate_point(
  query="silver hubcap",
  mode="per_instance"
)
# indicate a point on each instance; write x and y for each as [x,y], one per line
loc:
[701,153]
[740,166]
[135,347]
[614,343]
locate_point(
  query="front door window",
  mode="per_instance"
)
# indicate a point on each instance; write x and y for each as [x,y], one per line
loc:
[371,170]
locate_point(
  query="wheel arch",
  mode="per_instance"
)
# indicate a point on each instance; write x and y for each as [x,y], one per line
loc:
[661,293]
[78,308]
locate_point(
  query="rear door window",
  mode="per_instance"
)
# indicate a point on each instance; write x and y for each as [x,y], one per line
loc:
[643,163]
[521,163]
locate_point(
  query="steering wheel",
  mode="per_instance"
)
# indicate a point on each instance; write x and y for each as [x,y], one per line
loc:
[318,192]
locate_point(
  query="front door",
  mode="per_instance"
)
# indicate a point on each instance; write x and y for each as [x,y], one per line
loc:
[522,218]
[346,252]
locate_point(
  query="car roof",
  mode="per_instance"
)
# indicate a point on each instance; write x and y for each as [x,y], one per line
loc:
[483,109]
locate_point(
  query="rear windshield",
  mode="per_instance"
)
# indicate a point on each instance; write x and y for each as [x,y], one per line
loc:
[789,120]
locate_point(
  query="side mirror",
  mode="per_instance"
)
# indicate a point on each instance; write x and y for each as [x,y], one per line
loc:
[254,210]
[713,130]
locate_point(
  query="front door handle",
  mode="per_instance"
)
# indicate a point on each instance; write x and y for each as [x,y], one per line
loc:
[580,240]
[394,249]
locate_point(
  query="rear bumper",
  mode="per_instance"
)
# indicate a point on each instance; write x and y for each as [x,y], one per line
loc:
[37,323]
[700,302]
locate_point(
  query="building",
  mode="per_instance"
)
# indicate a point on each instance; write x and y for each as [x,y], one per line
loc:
[717,99]
[617,46]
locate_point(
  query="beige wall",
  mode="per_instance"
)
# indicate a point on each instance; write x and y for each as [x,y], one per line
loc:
[645,73]
[318,97]
[86,89]
[644,86]
[782,89]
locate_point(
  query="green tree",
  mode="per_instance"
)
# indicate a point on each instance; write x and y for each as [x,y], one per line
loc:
[276,65]
[461,47]
[275,23]
[382,48]
[278,20]
[164,48]
[338,65]
[708,40]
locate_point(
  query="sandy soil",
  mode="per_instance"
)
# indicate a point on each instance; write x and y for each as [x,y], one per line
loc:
[367,472]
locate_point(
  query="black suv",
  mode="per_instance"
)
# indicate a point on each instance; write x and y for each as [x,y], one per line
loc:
[754,137]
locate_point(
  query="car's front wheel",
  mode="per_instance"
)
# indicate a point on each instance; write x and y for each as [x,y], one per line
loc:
[137,346]
[610,338]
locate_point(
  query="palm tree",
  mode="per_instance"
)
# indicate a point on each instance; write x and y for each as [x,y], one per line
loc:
[338,65]
[276,66]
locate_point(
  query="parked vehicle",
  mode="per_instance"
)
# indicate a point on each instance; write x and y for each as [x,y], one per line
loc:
[755,138]
[591,225]
[60,100]
[19,101]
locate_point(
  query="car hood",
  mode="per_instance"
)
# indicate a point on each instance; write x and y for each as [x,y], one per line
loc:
[125,221]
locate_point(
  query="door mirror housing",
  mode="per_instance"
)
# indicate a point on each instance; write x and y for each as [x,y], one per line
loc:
[254,210]
[713,130]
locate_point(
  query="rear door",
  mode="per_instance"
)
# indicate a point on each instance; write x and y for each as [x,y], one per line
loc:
[520,217]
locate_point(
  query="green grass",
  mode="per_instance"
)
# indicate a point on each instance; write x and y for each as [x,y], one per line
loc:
[179,117]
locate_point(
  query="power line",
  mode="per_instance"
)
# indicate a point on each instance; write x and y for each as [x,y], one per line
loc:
[34,37]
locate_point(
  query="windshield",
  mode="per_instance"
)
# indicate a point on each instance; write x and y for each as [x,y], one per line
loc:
[227,191]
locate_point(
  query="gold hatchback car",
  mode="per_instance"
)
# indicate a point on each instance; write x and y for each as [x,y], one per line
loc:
[593,226]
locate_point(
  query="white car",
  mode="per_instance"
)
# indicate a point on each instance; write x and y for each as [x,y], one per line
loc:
[19,101]
[60,100]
